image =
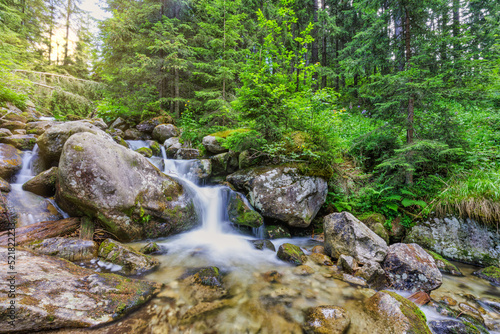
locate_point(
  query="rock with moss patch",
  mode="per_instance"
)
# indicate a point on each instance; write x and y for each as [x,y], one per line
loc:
[44,184]
[444,265]
[131,262]
[375,222]
[51,289]
[12,125]
[326,319]
[22,142]
[185,153]
[396,314]
[134,134]
[292,254]
[214,144]
[321,259]
[463,321]
[52,141]
[153,248]
[145,152]
[154,146]
[131,197]
[345,234]
[490,273]
[5,133]
[163,132]
[282,193]
[277,232]
[72,249]
[240,212]
[119,124]
[347,263]
[4,186]
[149,125]
[203,284]
[463,240]
[409,267]
[10,161]
[224,163]
[263,244]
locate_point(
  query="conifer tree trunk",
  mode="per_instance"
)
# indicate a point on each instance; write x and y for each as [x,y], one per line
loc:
[66,46]
[314,44]
[323,58]
[411,113]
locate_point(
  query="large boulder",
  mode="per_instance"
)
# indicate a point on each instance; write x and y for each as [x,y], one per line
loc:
[54,293]
[10,161]
[39,127]
[224,163]
[345,234]
[326,319]
[163,132]
[409,267]
[51,142]
[121,188]
[149,125]
[21,141]
[463,240]
[213,144]
[282,193]
[395,314]
[130,261]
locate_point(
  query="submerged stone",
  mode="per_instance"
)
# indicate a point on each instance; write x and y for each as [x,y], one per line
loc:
[263,244]
[204,285]
[241,213]
[490,273]
[326,319]
[292,254]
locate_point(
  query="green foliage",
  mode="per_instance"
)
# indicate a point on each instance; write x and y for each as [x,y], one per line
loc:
[241,141]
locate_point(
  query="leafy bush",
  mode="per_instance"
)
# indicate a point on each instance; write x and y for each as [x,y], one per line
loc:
[241,141]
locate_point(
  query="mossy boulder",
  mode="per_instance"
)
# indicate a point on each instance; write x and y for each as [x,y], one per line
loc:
[4,186]
[44,184]
[444,265]
[152,248]
[131,262]
[282,193]
[134,134]
[455,321]
[121,188]
[224,163]
[52,141]
[203,284]
[321,259]
[396,314]
[375,221]
[54,293]
[22,142]
[39,127]
[5,133]
[185,153]
[145,152]
[240,212]
[120,124]
[12,125]
[155,147]
[292,254]
[490,273]
[213,144]
[326,319]
[10,161]
[149,125]
[72,249]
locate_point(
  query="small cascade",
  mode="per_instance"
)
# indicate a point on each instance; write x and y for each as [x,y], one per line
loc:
[30,208]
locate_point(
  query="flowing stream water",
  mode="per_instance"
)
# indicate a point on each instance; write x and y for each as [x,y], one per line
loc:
[256,305]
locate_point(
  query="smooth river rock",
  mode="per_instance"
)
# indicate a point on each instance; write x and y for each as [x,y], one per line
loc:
[326,319]
[345,234]
[10,161]
[458,239]
[131,197]
[73,249]
[51,142]
[281,193]
[44,184]
[54,293]
[409,267]
[213,144]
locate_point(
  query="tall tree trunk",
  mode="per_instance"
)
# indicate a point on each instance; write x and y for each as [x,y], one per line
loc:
[323,53]
[314,44]
[51,28]
[66,46]
[411,113]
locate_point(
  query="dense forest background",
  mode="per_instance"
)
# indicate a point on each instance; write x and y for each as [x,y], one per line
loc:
[396,103]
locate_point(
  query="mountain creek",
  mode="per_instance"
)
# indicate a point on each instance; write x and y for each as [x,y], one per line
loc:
[128,230]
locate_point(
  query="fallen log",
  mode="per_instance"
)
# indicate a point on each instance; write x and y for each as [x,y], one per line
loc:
[40,231]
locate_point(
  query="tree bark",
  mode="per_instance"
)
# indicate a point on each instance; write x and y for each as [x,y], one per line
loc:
[66,46]
[314,44]
[411,113]
[323,53]
[42,230]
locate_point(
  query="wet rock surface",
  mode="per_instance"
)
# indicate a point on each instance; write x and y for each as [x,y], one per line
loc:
[490,273]
[72,249]
[44,184]
[130,261]
[291,254]
[409,267]
[240,212]
[54,293]
[281,193]
[345,234]
[326,319]
[10,161]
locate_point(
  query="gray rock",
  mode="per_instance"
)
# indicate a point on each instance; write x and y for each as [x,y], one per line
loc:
[119,124]
[172,145]
[186,153]
[134,134]
[450,327]
[44,184]
[39,127]
[409,267]
[4,186]
[224,163]
[263,244]
[240,212]
[163,132]
[51,142]
[58,294]
[281,193]
[458,239]
[347,263]
[5,132]
[345,234]
[10,161]
[373,274]
[131,197]
[99,122]
[130,261]
[213,144]
[12,125]
[326,319]
[72,249]
[148,126]
[203,169]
